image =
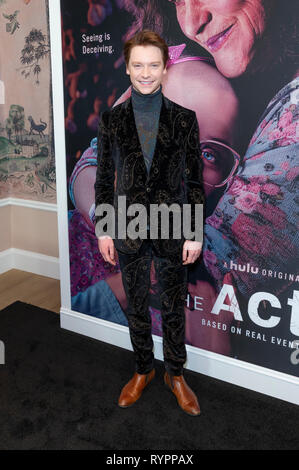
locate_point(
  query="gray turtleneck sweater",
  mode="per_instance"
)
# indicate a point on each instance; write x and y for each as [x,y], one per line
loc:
[147,112]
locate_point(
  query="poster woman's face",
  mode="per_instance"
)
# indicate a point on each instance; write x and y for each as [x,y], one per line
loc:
[228,29]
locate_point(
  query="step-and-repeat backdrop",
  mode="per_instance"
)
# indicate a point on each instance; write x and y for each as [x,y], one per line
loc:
[237,70]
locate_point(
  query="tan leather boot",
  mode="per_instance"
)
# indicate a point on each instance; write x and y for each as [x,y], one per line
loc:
[134,388]
[185,396]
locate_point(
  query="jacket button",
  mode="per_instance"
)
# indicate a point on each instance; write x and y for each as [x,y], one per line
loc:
[148,189]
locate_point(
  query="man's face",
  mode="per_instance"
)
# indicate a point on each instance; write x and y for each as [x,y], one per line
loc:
[146,68]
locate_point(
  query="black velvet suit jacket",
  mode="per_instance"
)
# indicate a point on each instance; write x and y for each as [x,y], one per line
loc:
[175,174]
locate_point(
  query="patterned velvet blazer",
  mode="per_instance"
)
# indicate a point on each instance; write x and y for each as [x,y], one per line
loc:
[175,175]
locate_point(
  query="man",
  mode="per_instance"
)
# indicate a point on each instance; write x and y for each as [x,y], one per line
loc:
[148,152]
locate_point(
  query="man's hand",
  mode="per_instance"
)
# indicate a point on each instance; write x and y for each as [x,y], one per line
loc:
[106,247]
[191,251]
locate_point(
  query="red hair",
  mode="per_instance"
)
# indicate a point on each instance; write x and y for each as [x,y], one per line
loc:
[146,38]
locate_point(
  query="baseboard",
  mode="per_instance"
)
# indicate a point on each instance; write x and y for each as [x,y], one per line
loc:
[29,261]
[5,260]
[44,206]
[256,378]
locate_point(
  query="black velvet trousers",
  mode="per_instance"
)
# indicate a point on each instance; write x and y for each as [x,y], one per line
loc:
[171,277]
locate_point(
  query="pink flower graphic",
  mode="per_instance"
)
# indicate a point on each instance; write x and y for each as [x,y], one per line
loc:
[285,166]
[259,179]
[286,119]
[254,187]
[237,186]
[285,136]
[271,189]
[275,135]
[290,130]
[247,201]
[291,175]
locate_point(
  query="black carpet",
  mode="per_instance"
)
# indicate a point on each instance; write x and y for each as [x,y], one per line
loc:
[59,390]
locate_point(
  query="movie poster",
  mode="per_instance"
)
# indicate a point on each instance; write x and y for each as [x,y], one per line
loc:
[243,294]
